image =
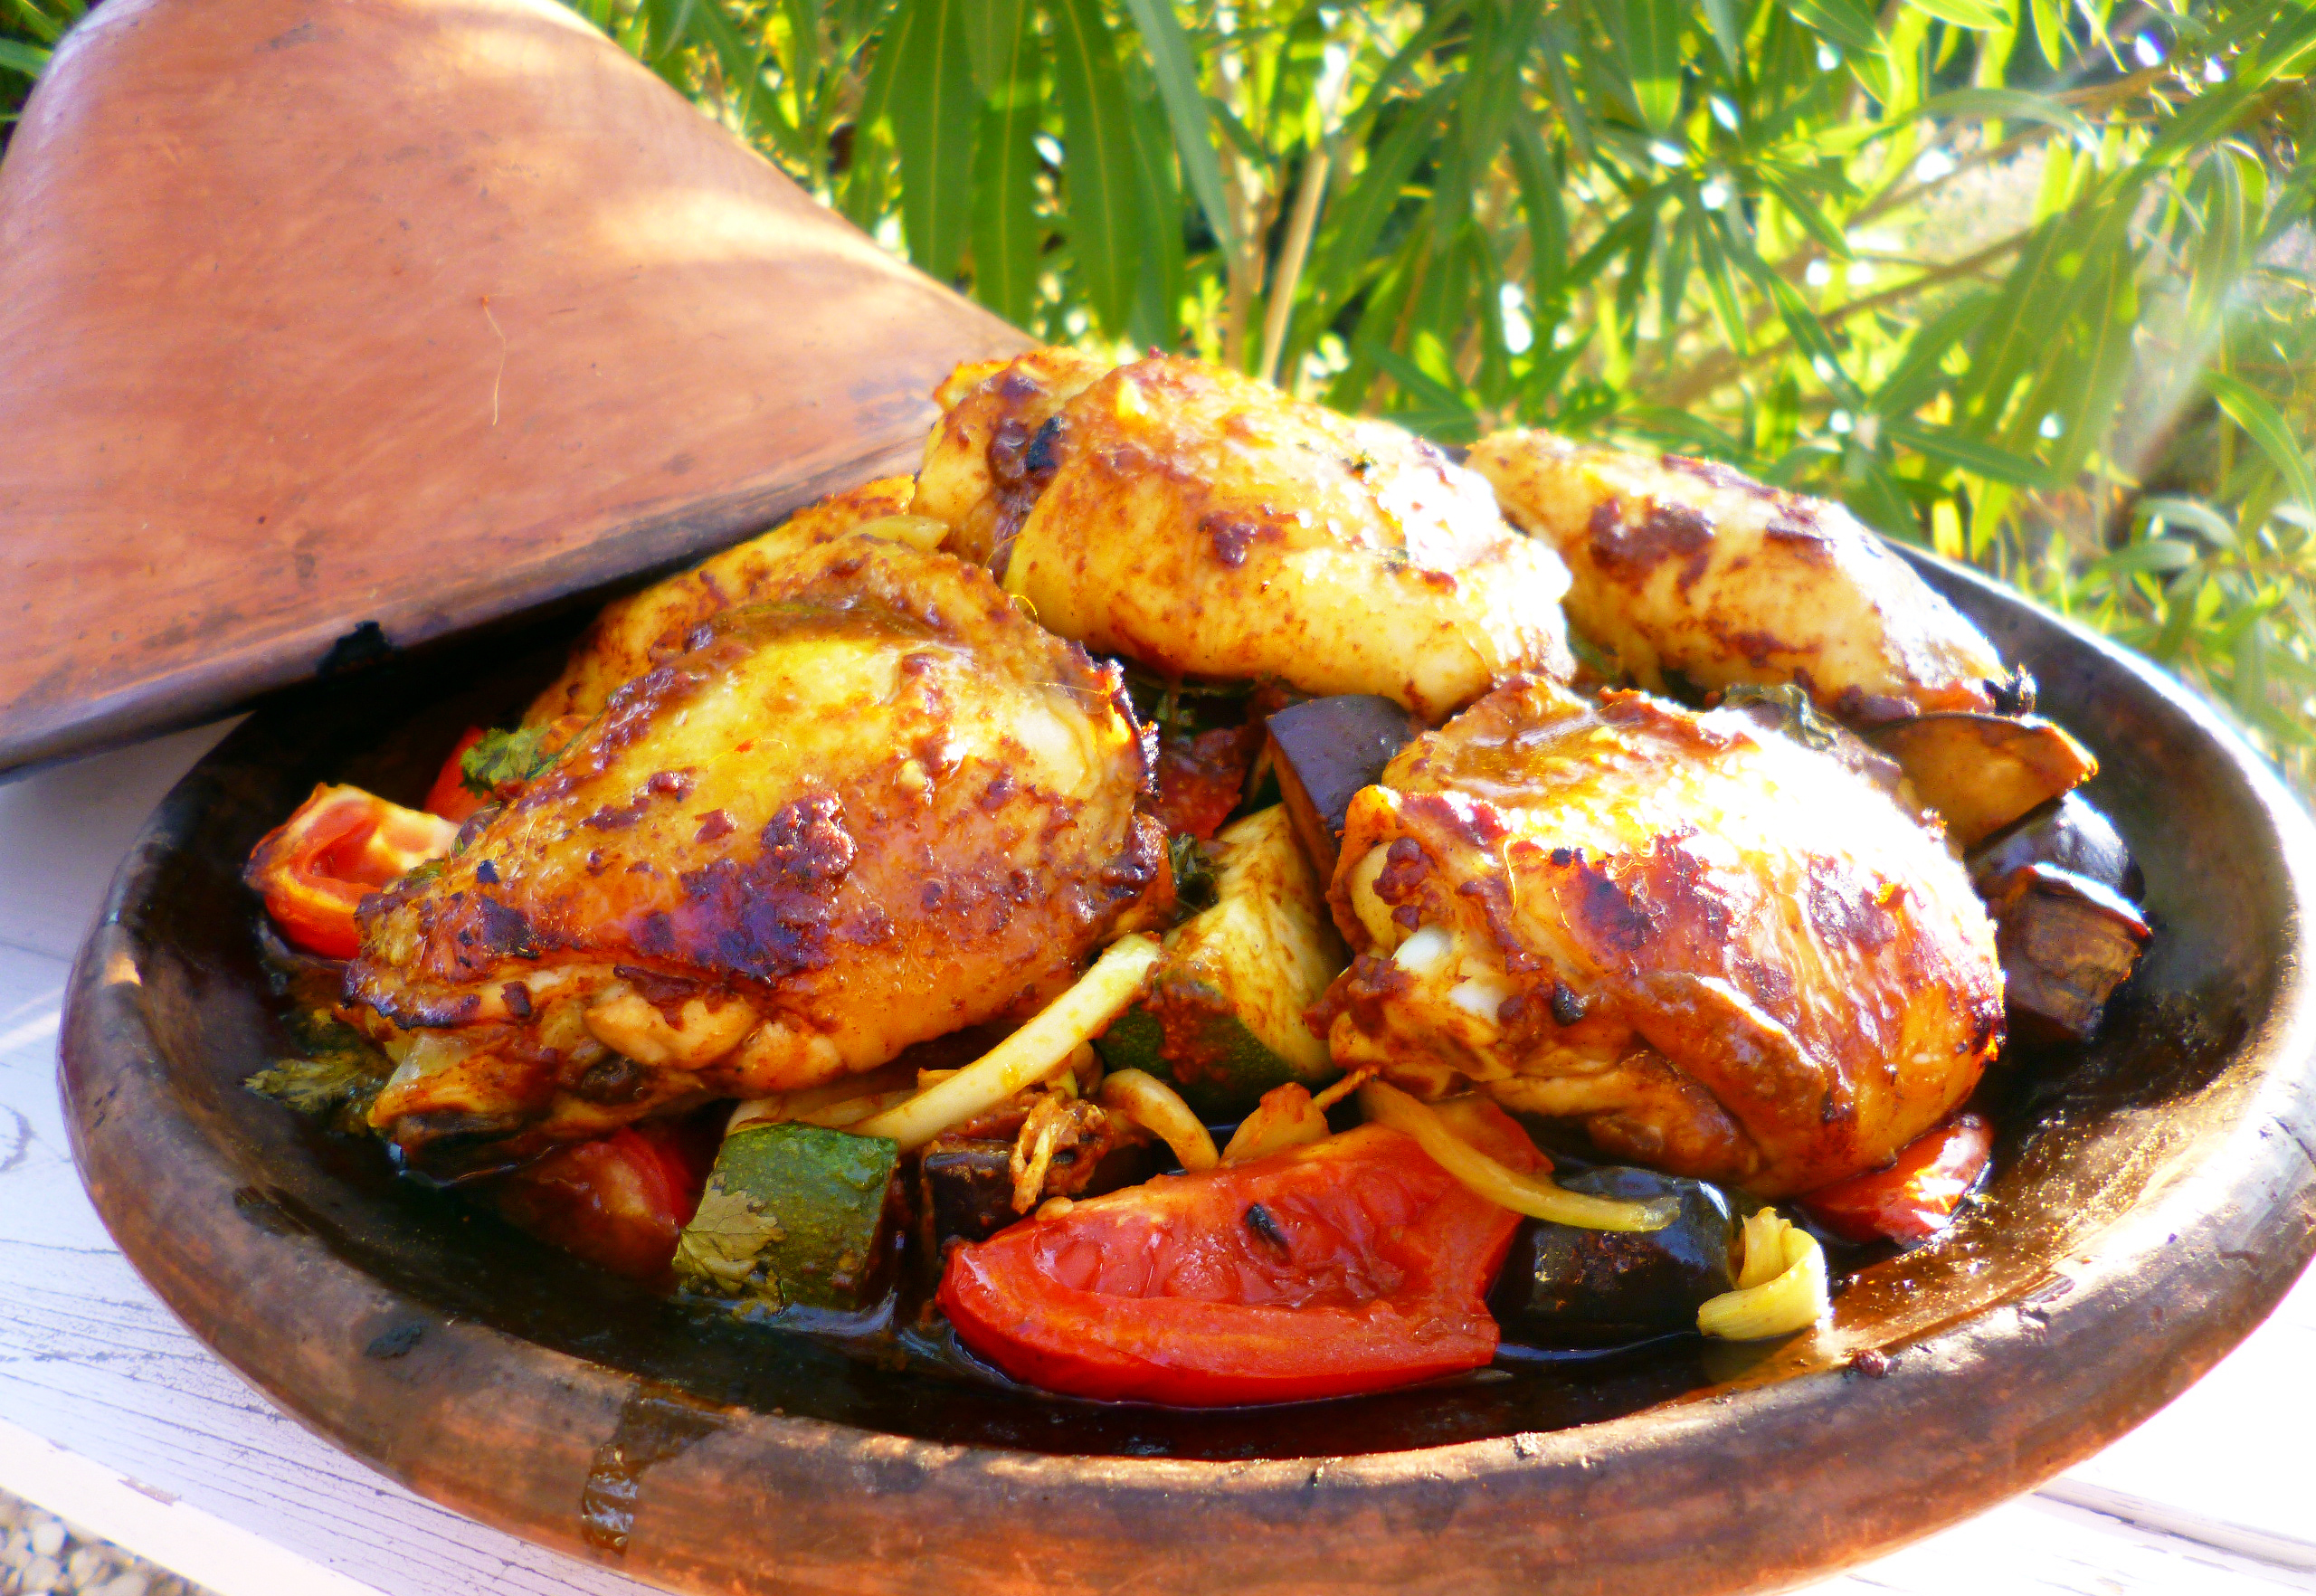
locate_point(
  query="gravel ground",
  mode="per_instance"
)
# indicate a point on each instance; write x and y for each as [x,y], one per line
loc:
[40,1554]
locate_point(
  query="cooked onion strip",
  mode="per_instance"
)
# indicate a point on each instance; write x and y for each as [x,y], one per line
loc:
[1781,1285]
[1044,1045]
[1530,1194]
[833,1104]
[1159,1109]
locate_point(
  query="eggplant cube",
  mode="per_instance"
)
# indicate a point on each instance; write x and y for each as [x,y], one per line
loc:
[2071,834]
[966,1186]
[1566,1286]
[2066,942]
[1323,751]
[794,1216]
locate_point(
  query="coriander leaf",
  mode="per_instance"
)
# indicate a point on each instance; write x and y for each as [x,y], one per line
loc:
[337,1078]
[504,759]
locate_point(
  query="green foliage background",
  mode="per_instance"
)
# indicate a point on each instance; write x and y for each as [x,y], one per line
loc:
[2032,281]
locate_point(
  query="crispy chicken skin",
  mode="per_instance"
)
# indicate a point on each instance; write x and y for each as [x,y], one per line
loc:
[1725,955]
[881,806]
[1685,566]
[634,633]
[990,454]
[1206,524]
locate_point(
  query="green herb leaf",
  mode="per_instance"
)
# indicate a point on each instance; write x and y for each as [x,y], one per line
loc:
[503,759]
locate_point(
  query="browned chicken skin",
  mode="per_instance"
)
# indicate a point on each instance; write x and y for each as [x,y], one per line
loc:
[994,448]
[636,632]
[878,808]
[1724,953]
[1208,524]
[1683,565]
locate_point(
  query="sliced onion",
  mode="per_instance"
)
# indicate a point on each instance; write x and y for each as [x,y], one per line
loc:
[1044,1045]
[1530,1194]
[1782,1285]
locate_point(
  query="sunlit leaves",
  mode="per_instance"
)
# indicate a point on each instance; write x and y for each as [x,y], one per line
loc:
[934,112]
[1103,164]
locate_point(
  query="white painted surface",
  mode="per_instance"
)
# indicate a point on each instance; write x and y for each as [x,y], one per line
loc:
[111,1415]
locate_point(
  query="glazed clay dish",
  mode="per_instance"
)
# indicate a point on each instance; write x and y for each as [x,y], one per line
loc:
[2152,1198]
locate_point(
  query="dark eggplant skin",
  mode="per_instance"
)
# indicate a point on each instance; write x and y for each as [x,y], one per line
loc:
[1562,1287]
[2070,835]
[2066,942]
[1322,751]
[966,1186]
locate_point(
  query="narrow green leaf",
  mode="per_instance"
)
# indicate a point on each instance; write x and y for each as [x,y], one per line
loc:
[1158,287]
[992,28]
[1538,176]
[2171,510]
[1721,287]
[2008,104]
[1964,13]
[17,56]
[1956,449]
[1727,18]
[1809,334]
[1356,219]
[1838,22]
[2050,31]
[1100,167]
[1438,409]
[1921,370]
[2085,398]
[2251,411]
[1650,37]
[1804,210]
[1005,164]
[1169,51]
[2154,555]
[933,113]
[866,180]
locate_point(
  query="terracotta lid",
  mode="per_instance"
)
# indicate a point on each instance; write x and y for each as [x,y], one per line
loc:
[333,326]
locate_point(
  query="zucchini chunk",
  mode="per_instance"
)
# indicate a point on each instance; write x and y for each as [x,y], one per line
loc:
[1223,1020]
[794,1216]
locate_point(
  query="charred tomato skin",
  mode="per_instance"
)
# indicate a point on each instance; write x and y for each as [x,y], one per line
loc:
[1351,1265]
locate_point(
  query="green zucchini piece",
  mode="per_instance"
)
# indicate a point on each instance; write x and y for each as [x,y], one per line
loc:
[794,1216]
[1223,1022]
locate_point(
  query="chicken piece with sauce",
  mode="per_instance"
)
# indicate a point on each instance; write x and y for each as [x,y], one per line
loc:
[636,632]
[876,806]
[1723,953]
[1207,525]
[1686,566]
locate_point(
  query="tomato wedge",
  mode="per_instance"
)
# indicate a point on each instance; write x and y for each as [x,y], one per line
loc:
[343,844]
[1200,779]
[1914,1197]
[618,1201]
[1349,1264]
[450,796]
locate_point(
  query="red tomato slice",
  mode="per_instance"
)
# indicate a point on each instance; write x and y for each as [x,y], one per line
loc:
[1914,1197]
[620,1201]
[1200,779]
[450,796]
[1349,1264]
[315,868]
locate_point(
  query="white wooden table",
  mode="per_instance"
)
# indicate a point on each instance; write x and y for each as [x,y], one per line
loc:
[115,1418]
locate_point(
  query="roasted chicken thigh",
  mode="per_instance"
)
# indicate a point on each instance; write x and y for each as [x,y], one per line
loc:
[1724,953]
[1207,525]
[1685,566]
[634,634]
[874,807]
